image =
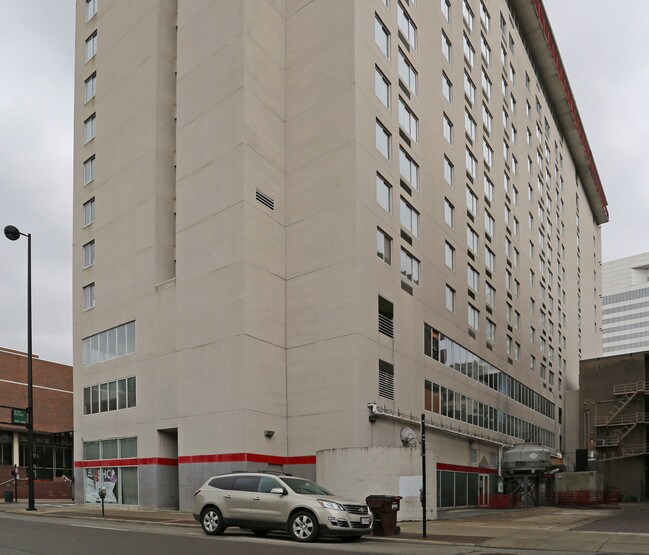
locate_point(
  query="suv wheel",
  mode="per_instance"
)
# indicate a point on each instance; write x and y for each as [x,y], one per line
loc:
[212,521]
[303,527]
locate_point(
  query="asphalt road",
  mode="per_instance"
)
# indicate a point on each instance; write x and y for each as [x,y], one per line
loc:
[34,535]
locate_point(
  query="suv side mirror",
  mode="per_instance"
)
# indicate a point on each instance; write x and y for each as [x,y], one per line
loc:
[279,491]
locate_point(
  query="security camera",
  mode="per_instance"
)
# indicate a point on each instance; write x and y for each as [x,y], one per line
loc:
[372,408]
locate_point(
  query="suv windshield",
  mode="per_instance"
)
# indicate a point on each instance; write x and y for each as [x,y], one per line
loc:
[298,485]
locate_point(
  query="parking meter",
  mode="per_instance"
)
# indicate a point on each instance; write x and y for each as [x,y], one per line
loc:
[102,495]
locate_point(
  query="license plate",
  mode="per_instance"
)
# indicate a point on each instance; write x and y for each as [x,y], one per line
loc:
[365,520]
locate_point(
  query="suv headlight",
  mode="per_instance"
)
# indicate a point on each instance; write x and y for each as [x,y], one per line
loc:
[331,505]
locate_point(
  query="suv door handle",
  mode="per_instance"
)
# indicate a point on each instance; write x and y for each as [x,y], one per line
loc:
[227,496]
[256,498]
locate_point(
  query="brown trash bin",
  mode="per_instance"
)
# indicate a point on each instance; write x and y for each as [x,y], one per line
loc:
[385,509]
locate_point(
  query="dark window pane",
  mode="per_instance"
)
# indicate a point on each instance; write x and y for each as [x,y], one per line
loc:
[246,483]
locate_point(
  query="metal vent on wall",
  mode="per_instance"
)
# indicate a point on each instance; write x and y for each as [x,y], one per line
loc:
[386,380]
[265,200]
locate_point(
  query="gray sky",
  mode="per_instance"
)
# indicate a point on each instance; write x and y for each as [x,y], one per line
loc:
[604,58]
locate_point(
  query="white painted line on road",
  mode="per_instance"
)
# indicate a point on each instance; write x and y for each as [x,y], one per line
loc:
[99,527]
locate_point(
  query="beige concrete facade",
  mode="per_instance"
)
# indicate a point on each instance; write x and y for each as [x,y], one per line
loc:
[235,222]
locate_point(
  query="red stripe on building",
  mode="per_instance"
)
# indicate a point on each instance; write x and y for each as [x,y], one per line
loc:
[460,468]
[198,459]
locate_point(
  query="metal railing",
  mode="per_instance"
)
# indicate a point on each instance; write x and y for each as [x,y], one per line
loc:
[623,420]
[627,388]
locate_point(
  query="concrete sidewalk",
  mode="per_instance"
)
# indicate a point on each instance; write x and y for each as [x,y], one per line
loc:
[572,530]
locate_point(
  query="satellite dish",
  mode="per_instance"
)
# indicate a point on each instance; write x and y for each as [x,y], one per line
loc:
[408,437]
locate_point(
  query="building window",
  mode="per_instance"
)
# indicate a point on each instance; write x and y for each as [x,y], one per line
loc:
[447,127]
[489,224]
[89,170]
[450,299]
[89,128]
[488,154]
[382,87]
[383,193]
[474,317]
[91,9]
[408,120]
[447,88]
[469,51]
[88,212]
[109,344]
[485,50]
[488,189]
[473,278]
[446,47]
[470,126]
[88,254]
[449,255]
[491,331]
[409,217]
[467,14]
[449,172]
[471,164]
[110,396]
[408,168]
[407,26]
[472,239]
[91,46]
[449,213]
[486,85]
[431,343]
[446,9]
[489,259]
[386,380]
[382,36]
[471,202]
[487,119]
[89,296]
[490,294]
[409,267]
[90,87]
[485,17]
[408,73]
[384,246]
[469,89]
[383,140]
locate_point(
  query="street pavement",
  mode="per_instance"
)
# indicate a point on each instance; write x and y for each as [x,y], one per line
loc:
[538,529]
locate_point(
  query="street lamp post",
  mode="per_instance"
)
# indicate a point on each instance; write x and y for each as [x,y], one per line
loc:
[13,234]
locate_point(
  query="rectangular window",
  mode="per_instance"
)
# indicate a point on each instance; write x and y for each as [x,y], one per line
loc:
[408,168]
[382,87]
[383,193]
[486,85]
[469,51]
[383,246]
[470,126]
[469,89]
[467,14]
[447,128]
[446,47]
[489,259]
[431,342]
[449,213]
[491,331]
[488,154]
[471,164]
[409,267]
[88,212]
[485,50]
[474,317]
[485,18]
[473,278]
[488,189]
[409,217]
[91,46]
[447,88]
[89,128]
[446,9]
[407,73]
[383,140]
[450,299]
[471,202]
[109,344]
[408,120]
[386,380]
[382,36]
[449,172]
[90,87]
[89,296]
[490,294]
[406,26]
[472,239]
[88,254]
[89,170]
[449,255]
[91,9]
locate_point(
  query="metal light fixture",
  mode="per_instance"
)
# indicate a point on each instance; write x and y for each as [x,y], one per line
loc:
[13,234]
[269,433]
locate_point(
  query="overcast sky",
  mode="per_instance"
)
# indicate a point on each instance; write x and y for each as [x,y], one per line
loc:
[603,54]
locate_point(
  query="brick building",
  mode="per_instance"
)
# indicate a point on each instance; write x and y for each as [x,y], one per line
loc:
[52,419]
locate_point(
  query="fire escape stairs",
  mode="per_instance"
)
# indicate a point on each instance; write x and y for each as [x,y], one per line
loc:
[620,406]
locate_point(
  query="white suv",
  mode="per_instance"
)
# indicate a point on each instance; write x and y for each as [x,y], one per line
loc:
[263,501]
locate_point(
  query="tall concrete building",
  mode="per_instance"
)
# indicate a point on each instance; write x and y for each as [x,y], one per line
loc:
[625,310]
[294,215]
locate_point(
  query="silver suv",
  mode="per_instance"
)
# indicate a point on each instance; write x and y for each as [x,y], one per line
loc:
[263,501]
